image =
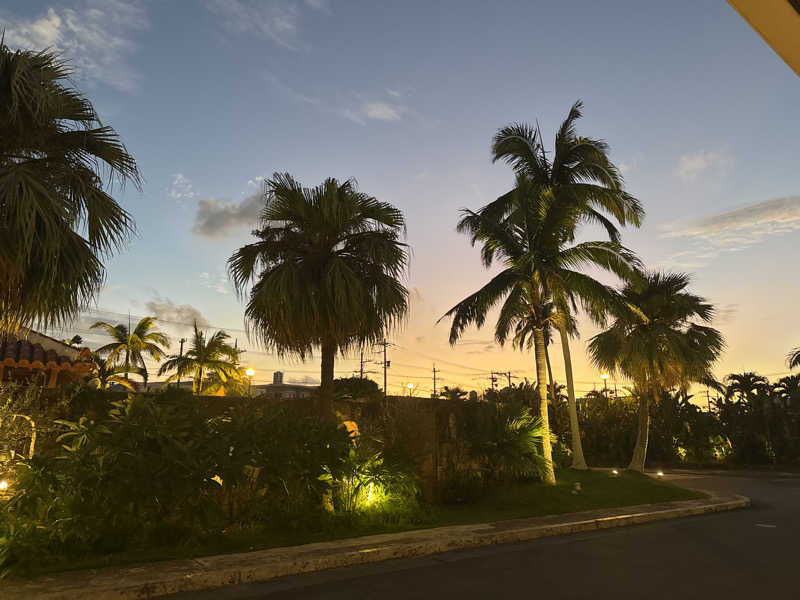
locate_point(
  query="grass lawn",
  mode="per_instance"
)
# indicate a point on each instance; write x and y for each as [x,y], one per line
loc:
[599,490]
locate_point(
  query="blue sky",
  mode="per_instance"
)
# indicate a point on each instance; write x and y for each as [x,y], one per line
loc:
[405,97]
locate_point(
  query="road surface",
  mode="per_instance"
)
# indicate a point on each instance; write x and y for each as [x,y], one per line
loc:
[750,553]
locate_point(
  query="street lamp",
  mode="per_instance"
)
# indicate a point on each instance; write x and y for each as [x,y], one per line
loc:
[250,372]
[604,377]
[410,389]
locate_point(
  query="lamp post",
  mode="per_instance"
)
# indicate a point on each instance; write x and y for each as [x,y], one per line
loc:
[604,377]
[250,372]
[410,389]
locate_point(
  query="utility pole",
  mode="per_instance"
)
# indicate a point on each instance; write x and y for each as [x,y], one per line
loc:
[361,372]
[386,364]
[508,375]
[435,370]
[493,379]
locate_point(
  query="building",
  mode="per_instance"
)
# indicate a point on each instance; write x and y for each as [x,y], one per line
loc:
[778,22]
[32,357]
[283,391]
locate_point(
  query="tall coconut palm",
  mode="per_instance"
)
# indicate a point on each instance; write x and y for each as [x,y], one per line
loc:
[580,174]
[325,271]
[58,221]
[211,357]
[659,342]
[532,239]
[106,374]
[130,346]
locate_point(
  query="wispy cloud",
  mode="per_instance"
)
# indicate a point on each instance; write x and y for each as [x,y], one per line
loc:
[95,36]
[215,219]
[184,314]
[690,166]
[306,380]
[220,283]
[276,20]
[732,231]
[359,108]
[180,189]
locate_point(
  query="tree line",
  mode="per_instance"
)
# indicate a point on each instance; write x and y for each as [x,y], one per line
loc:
[327,268]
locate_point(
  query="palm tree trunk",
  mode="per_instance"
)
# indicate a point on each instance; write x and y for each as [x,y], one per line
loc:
[541,380]
[326,375]
[640,451]
[550,375]
[578,461]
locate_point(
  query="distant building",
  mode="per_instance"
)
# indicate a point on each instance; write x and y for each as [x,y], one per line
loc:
[283,391]
[34,358]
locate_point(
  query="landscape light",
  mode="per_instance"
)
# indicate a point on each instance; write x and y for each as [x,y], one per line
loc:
[614,472]
[660,473]
[3,485]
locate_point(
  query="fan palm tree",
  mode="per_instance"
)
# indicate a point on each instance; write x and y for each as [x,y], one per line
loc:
[659,342]
[105,374]
[581,175]
[325,271]
[58,221]
[211,356]
[130,347]
[531,238]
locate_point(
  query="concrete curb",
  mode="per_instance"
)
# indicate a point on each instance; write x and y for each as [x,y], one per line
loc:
[170,577]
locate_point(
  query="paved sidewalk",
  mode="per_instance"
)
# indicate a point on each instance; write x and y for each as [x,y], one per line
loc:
[158,579]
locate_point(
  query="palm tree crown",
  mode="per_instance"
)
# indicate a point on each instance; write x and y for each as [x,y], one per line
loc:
[130,347]
[325,271]
[211,356]
[57,221]
[106,373]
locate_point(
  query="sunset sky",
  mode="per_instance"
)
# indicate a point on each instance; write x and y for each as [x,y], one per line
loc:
[211,97]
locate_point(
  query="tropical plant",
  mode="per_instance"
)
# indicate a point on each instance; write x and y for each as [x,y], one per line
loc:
[532,235]
[452,393]
[793,358]
[659,342]
[130,346]
[211,361]
[744,385]
[106,373]
[58,221]
[325,271]
[580,175]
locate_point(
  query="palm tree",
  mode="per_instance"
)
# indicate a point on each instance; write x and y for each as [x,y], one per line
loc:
[582,176]
[325,271]
[531,237]
[659,342]
[211,356]
[452,393]
[793,359]
[744,385]
[130,347]
[106,373]
[57,220]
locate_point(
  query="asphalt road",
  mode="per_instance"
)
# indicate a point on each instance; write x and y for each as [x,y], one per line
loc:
[751,553]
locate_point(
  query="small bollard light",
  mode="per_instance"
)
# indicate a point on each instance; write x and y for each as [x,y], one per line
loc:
[614,472]
[660,473]
[3,485]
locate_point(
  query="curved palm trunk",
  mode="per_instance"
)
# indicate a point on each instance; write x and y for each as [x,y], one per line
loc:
[642,434]
[578,461]
[550,375]
[541,380]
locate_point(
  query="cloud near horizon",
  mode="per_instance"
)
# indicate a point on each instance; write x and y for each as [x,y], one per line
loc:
[94,36]
[733,230]
[216,219]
